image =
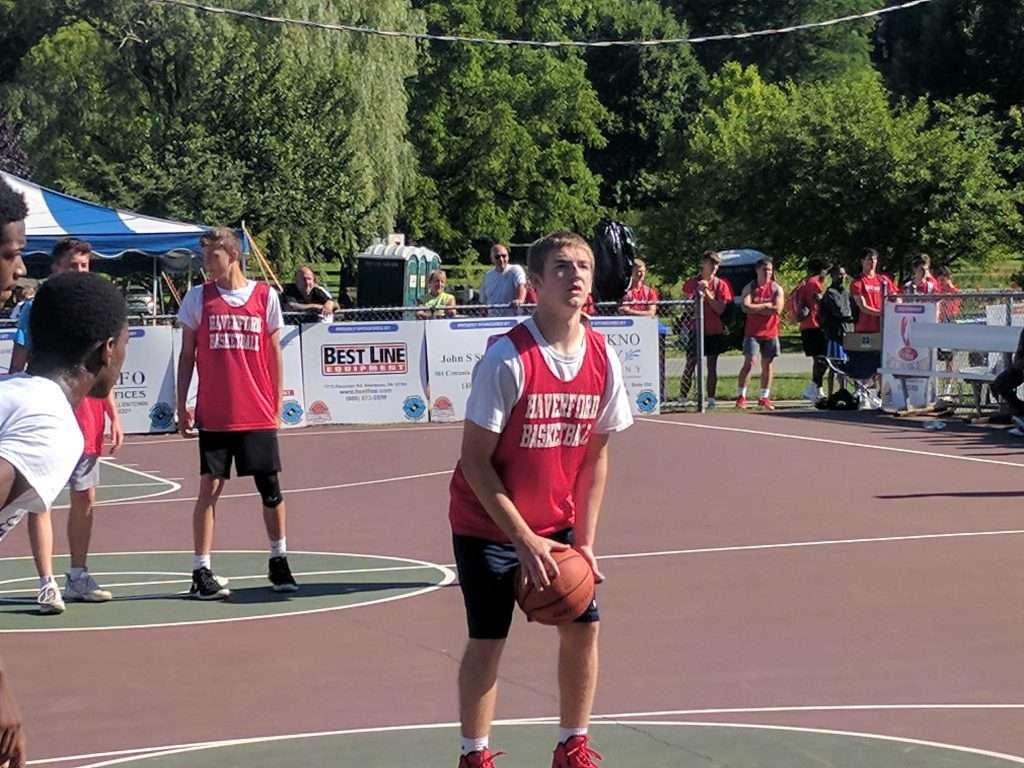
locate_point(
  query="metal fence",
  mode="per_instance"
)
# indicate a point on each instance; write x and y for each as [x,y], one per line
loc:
[968,308]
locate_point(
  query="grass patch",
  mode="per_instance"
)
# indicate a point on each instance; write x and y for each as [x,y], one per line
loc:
[784,387]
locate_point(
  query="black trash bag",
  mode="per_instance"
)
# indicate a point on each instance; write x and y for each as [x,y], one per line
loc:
[614,251]
[840,400]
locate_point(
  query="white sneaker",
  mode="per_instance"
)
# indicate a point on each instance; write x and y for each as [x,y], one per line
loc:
[49,600]
[84,589]
[711,404]
[810,392]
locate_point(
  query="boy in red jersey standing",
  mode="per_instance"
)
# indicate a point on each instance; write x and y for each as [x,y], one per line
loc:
[763,300]
[530,480]
[231,333]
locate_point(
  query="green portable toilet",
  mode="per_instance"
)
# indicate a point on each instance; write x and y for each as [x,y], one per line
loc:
[393,275]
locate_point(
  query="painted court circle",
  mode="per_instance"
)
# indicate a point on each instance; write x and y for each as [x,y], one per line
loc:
[150,588]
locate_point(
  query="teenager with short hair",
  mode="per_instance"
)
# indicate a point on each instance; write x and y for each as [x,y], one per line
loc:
[231,334]
[80,331]
[640,298]
[716,295]
[530,480]
[867,291]
[807,298]
[440,303]
[763,301]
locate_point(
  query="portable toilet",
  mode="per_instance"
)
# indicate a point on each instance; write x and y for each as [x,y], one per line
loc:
[394,275]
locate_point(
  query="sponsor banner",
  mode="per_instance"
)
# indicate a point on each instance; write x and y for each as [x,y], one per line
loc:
[453,348]
[144,393]
[6,347]
[293,400]
[364,373]
[635,340]
[900,355]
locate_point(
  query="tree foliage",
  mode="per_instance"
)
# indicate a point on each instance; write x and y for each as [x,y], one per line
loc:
[825,169]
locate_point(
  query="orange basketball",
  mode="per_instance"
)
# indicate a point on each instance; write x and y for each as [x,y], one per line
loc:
[566,598]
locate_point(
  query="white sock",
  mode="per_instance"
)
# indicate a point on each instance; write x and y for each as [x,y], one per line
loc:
[564,734]
[76,573]
[44,580]
[743,392]
[765,394]
[200,561]
[474,745]
[279,548]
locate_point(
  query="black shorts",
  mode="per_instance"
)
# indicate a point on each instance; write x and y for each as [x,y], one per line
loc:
[253,453]
[714,345]
[486,575]
[814,342]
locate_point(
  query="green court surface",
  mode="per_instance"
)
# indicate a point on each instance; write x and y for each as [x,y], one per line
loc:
[120,483]
[636,743]
[150,588]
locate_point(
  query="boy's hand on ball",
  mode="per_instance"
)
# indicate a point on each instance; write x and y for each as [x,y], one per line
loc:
[535,557]
[591,558]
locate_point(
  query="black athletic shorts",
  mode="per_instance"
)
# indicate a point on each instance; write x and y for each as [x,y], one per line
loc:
[253,453]
[486,575]
[814,342]
[714,345]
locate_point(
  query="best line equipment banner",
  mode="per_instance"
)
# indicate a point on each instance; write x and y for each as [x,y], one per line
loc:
[453,348]
[144,393]
[364,373]
[635,341]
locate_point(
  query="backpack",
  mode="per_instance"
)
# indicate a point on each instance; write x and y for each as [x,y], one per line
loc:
[840,400]
[614,251]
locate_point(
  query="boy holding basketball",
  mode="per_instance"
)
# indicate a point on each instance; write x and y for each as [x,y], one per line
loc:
[530,481]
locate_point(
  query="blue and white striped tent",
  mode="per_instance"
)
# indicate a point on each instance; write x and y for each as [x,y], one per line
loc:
[111,232]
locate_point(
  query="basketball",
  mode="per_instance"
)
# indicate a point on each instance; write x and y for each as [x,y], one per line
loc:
[566,598]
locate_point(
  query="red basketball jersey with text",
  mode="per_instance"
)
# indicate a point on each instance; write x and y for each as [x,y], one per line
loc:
[237,392]
[541,449]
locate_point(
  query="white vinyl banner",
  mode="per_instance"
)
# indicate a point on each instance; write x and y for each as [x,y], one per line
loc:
[364,373]
[635,340]
[145,391]
[900,355]
[293,401]
[453,348]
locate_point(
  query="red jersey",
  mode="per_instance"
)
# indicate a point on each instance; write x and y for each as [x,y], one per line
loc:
[948,309]
[237,389]
[763,326]
[91,415]
[543,445]
[807,294]
[641,298]
[870,290]
[723,292]
[927,285]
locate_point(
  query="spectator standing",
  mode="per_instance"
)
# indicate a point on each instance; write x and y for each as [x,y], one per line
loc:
[921,281]
[23,293]
[763,302]
[504,284]
[716,295]
[640,298]
[807,300]
[835,315]
[867,291]
[92,414]
[304,295]
[440,303]
[949,309]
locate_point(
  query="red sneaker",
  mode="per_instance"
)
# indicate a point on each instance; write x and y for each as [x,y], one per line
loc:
[741,401]
[765,403]
[575,753]
[480,759]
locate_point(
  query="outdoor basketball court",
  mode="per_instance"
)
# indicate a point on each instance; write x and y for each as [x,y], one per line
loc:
[783,590]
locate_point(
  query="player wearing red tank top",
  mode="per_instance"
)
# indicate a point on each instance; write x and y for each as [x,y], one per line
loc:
[763,301]
[530,480]
[231,333]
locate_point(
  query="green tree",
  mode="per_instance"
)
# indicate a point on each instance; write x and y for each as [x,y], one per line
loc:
[825,169]
[300,133]
[501,133]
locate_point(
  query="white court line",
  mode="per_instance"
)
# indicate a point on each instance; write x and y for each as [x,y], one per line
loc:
[311,433]
[828,441]
[448,576]
[171,486]
[145,753]
[316,489]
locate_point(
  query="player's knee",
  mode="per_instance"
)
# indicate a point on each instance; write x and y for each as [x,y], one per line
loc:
[269,488]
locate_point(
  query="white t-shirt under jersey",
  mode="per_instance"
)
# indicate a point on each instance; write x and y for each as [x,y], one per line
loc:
[498,381]
[40,438]
[190,314]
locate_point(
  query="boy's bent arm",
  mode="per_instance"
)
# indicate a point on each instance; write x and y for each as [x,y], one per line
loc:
[589,494]
[478,446]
